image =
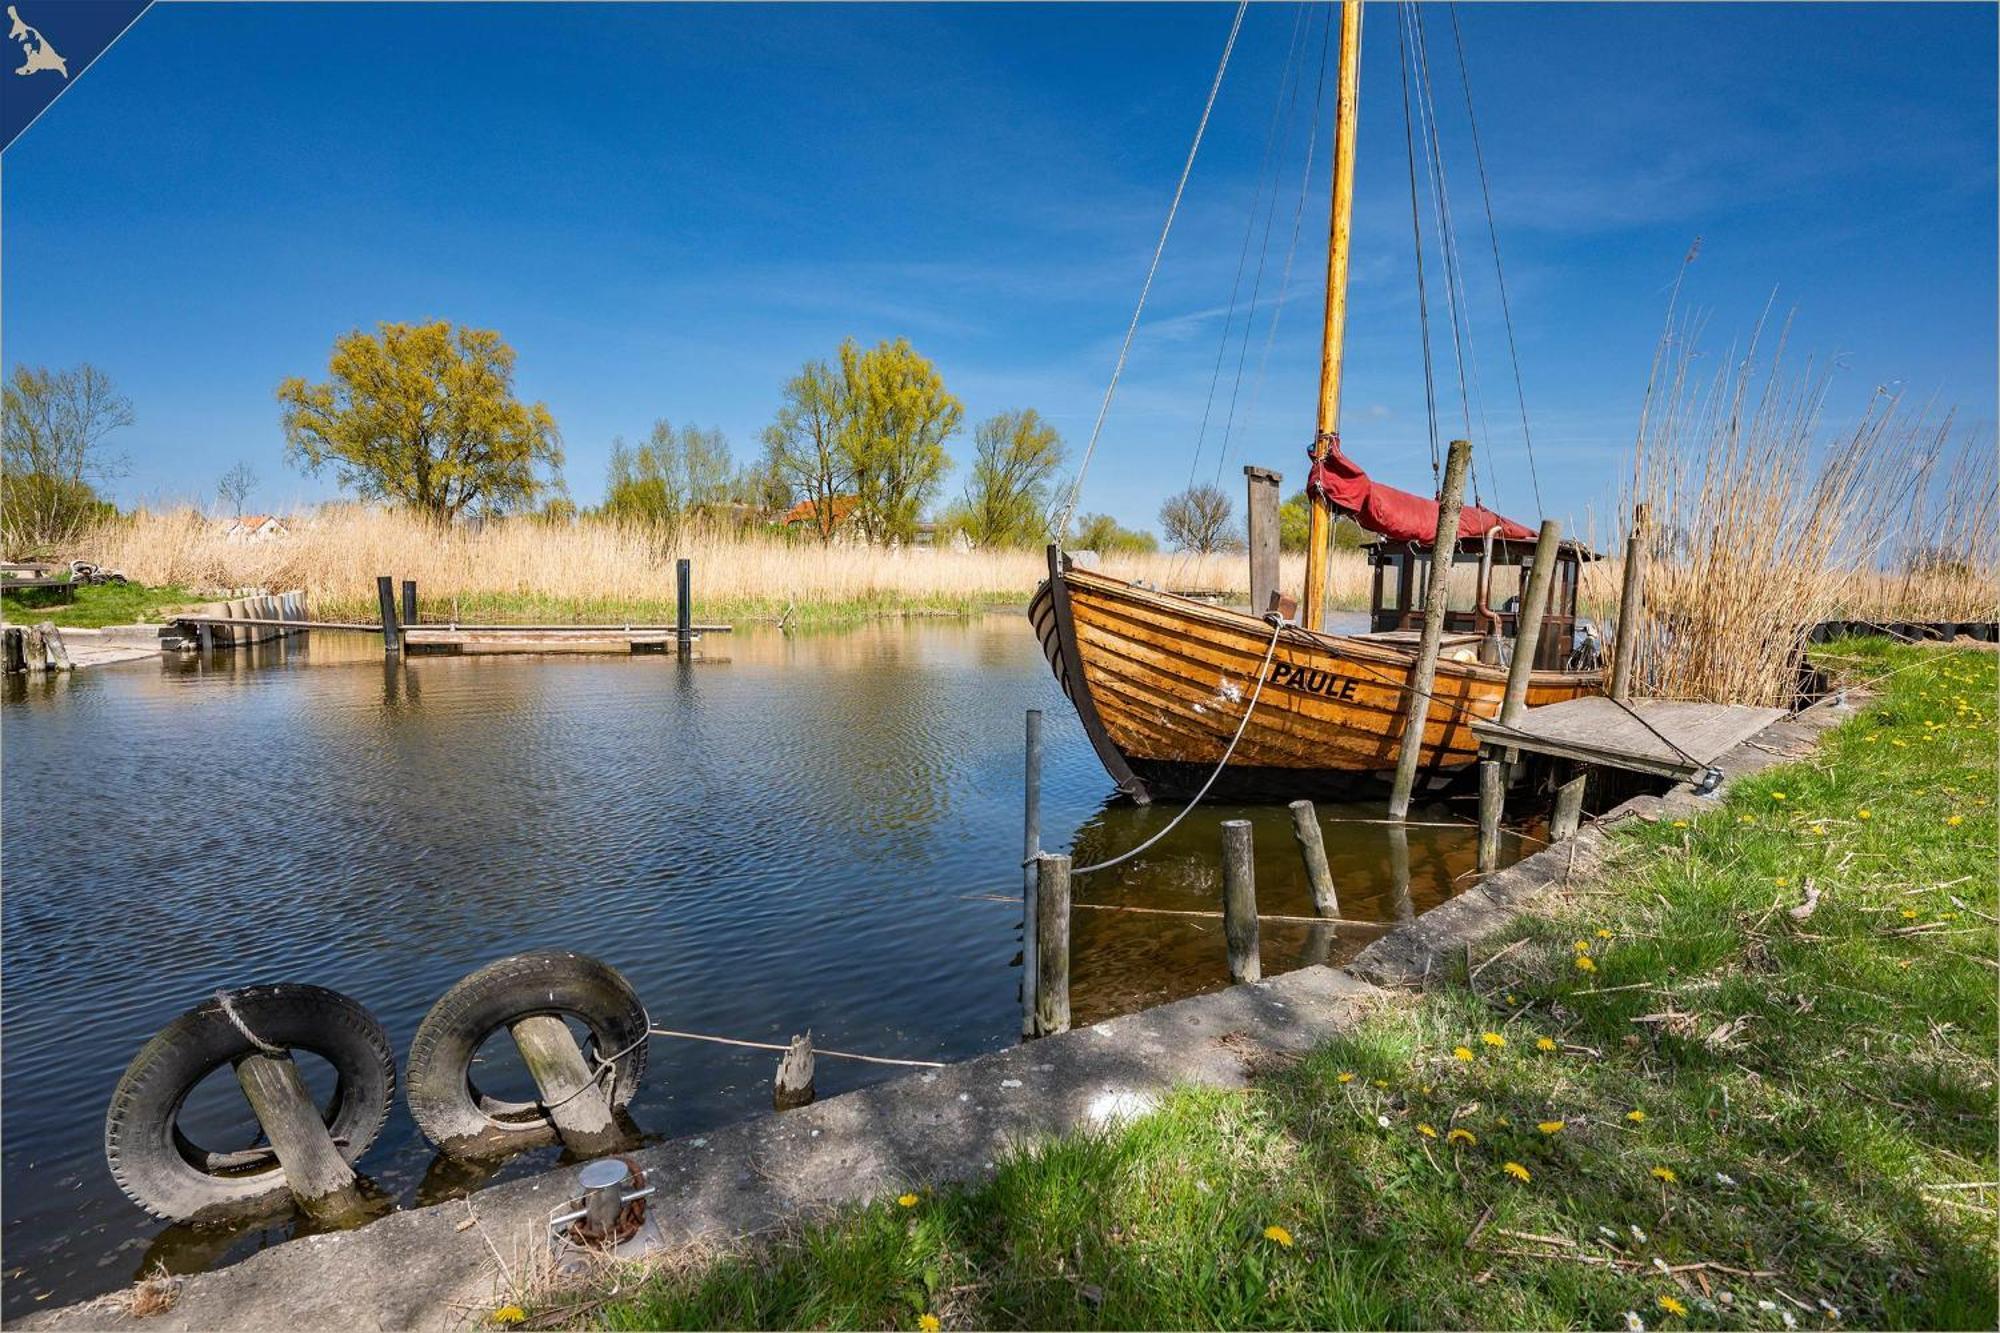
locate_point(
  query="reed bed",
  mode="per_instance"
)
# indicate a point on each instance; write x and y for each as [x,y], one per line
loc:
[1766,520]
[527,569]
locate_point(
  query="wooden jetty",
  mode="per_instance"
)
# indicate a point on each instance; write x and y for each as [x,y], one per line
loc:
[1668,738]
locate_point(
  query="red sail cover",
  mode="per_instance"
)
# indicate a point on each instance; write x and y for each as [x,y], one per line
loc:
[1397,515]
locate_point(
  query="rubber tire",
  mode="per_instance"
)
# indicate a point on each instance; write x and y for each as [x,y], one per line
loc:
[448,1107]
[160,1170]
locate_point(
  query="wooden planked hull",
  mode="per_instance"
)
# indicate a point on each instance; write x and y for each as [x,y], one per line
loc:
[1161,684]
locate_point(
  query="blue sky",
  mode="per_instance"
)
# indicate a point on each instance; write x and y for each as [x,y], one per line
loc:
[666,209]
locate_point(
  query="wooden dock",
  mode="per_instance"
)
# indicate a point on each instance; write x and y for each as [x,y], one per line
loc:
[1667,738]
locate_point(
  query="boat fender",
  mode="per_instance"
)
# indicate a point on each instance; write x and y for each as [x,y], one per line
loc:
[445,1102]
[170,1176]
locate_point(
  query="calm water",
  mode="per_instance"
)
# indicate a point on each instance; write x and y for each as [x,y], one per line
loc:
[794,837]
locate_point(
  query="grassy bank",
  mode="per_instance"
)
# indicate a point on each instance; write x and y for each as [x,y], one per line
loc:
[1677,1093]
[94,605]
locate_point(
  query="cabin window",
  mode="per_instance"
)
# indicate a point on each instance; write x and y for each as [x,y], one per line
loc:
[1389,582]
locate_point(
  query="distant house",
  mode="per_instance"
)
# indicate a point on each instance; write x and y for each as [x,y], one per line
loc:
[805,514]
[255,528]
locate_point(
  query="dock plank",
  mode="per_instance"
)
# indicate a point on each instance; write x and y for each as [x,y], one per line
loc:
[1597,730]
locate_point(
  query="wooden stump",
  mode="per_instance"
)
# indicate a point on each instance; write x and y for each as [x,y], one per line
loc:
[1051,943]
[1312,846]
[52,644]
[34,653]
[577,1103]
[1569,808]
[1239,901]
[793,1085]
[317,1175]
[16,658]
[1492,796]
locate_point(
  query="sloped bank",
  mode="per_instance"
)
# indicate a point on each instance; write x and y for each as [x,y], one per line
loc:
[426,1269]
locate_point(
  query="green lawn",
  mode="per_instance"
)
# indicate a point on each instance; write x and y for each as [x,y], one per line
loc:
[1676,1101]
[93,605]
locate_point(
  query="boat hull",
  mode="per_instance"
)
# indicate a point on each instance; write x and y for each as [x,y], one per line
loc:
[1161,684]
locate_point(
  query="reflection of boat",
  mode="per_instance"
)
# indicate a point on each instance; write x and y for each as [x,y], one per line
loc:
[1162,683]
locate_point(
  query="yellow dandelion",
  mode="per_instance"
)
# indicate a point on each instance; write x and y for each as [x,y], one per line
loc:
[1462,1052]
[1516,1170]
[1346,1076]
[1550,1126]
[1427,1131]
[1513,1000]
[1819,830]
[907,1200]
[928,1323]
[1954,821]
[1603,934]
[1672,1306]
[1680,823]
[1382,1083]
[1746,819]
[1581,946]
[1665,1174]
[1493,1039]
[1863,814]
[1464,1136]
[1545,1043]
[1777,796]
[1583,961]
[509,1314]
[1909,914]
[1636,1116]
[1279,1235]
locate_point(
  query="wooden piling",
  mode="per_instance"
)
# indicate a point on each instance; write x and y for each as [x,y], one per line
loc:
[1263,511]
[1492,797]
[1239,901]
[1569,807]
[1631,606]
[1528,623]
[14,639]
[1423,675]
[1312,846]
[52,644]
[1051,944]
[409,601]
[317,1175]
[34,649]
[385,594]
[577,1103]
[1031,847]
[793,1085]
[684,606]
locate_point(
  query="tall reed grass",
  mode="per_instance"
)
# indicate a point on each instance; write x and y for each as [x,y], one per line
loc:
[534,571]
[1767,519]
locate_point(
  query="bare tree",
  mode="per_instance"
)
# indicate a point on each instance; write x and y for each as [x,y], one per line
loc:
[55,425]
[1198,520]
[236,485]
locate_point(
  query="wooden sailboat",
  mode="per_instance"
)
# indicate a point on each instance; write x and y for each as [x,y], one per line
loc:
[1162,683]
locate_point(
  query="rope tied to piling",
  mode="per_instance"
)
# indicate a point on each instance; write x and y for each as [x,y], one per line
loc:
[227,1000]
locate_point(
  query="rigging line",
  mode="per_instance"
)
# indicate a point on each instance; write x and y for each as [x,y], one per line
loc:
[1125,350]
[1256,291]
[1499,275]
[1417,242]
[1266,166]
[1298,219]
[1454,295]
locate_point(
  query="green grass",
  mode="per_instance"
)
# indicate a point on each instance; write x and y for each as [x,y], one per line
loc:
[92,605]
[1783,1100]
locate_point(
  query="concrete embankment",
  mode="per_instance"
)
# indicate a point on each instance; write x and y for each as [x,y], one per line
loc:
[427,1269]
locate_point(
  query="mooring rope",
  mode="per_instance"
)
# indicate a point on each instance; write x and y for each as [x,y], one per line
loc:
[775,1046]
[227,1001]
[1277,628]
[1104,409]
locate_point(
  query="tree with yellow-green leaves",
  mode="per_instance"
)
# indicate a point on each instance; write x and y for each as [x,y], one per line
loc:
[895,415]
[424,415]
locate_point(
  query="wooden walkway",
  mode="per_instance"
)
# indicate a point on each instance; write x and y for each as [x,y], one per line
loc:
[1665,737]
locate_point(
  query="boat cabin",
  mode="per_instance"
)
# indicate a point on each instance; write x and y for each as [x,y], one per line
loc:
[1487,583]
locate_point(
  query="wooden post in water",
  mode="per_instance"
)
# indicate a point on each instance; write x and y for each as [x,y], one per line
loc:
[1569,807]
[683,606]
[1263,511]
[315,1172]
[52,644]
[1312,846]
[1031,847]
[1631,606]
[385,594]
[1423,675]
[1528,623]
[409,601]
[1492,796]
[793,1085]
[1239,901]
[576,1101]
[1051,944]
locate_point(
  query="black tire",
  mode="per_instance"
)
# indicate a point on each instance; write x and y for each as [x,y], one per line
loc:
[448,1107]
[168,1176]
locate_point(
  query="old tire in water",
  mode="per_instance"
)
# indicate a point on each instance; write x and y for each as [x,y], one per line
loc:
[449,1107]
[172,1177]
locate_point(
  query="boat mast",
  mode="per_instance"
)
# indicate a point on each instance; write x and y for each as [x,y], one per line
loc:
[1334,332]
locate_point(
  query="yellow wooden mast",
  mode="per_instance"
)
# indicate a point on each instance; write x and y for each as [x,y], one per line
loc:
[1346,113]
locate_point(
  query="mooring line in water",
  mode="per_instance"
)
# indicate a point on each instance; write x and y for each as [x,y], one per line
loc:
[1183,911]
[778,1046]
